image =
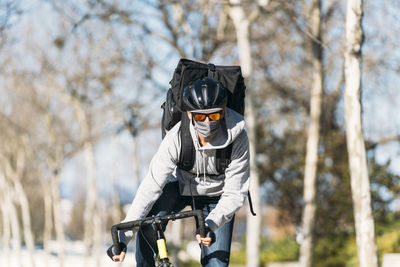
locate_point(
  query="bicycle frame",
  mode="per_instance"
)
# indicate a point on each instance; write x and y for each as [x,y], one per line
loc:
[156,221]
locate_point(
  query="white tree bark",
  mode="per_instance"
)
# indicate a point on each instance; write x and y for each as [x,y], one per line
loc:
[116,213]
[11,222]
[58,221]
[90,208]
[26,220]
[360,184]
[92,230]
[53,200]
[47,221]
[242,27]
[16,232]
[14,173]
[310,173]
[6,240]
[136,160]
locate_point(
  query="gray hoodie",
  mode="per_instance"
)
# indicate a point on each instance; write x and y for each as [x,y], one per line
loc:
[232,187]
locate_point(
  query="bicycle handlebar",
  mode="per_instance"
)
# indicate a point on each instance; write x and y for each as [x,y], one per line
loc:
[149,220]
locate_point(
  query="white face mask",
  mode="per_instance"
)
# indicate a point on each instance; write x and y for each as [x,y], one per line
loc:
[207,129]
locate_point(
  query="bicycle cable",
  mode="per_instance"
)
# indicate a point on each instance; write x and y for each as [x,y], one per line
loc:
[147,241]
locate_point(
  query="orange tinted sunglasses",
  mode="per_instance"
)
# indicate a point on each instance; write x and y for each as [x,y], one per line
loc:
[202,117]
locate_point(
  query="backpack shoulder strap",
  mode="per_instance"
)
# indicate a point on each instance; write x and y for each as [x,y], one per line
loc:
[188,153]
[251,204]
[223,158]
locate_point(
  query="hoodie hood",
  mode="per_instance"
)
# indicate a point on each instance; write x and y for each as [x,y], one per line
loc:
[231,126]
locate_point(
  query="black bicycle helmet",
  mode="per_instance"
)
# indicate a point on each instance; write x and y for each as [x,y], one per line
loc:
[204,94]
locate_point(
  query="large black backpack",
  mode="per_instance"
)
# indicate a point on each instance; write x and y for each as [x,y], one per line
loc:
[188,71]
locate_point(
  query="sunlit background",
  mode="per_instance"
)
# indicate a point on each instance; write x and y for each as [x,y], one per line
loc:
[81,85]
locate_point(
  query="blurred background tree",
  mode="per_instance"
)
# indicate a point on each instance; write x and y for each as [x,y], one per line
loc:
[112,60]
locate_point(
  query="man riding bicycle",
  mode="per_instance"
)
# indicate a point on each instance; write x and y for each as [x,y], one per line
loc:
[168,188]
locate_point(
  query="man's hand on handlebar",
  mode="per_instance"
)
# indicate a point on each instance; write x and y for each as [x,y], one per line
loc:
[208,240]
[205,241]
[120,257]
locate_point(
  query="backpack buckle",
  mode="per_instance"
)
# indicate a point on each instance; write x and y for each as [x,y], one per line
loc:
[211,67]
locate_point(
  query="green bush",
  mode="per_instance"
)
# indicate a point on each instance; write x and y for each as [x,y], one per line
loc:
[270,251]
[335,251]
[189,263]
[279,250]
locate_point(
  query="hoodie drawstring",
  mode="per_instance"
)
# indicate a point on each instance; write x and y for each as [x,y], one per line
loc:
[197,169]
[204,168]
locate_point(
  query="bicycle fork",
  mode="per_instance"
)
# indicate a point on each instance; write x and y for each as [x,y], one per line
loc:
[161,244]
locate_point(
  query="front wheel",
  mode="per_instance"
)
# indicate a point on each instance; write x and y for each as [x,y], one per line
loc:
[164,263]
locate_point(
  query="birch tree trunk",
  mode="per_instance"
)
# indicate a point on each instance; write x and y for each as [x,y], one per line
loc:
[136,161]
[58,222]
[5,216]
[242,27]
[91,197]
[116,213]
[14,173]
[15,230]
[11,218]
[310,173]
[26,220]
[53,205]
[360,185]
[47,221]
[92,234]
